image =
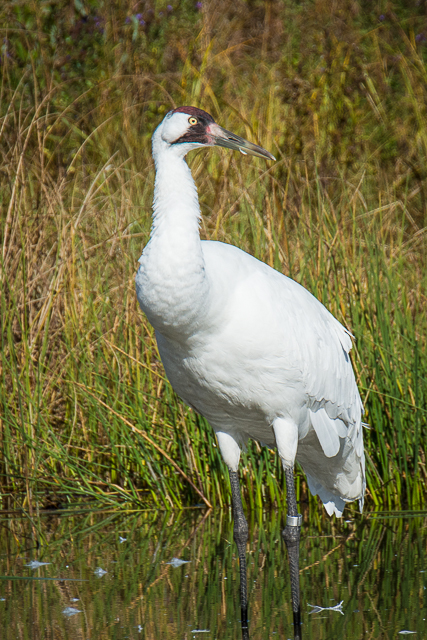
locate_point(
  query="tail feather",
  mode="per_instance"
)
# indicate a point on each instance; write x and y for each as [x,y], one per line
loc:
[331,502]
[336,479]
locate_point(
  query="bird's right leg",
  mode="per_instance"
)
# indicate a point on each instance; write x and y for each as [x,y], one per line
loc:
[230,451]
[240,538]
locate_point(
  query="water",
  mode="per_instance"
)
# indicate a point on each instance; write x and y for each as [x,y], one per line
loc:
[115,575]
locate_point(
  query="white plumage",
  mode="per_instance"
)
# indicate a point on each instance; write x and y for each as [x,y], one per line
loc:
[248,348]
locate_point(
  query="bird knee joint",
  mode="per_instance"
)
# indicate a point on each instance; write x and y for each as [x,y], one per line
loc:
[241,532]
[291,535]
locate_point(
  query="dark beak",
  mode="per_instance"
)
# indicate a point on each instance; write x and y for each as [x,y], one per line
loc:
[223,138]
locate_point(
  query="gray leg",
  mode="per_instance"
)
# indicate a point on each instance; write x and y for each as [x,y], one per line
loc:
[240,538]
[291,535]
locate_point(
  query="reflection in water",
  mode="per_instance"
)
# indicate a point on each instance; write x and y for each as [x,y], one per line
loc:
[374,565]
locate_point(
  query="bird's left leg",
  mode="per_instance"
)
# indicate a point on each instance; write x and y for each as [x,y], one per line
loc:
[291,535]
[286,434]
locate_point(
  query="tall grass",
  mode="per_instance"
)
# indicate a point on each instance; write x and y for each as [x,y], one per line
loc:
[85,406]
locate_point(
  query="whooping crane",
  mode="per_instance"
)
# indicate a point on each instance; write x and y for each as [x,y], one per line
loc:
[248,348]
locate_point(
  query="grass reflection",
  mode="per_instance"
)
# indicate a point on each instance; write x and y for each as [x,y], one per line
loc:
[374,564]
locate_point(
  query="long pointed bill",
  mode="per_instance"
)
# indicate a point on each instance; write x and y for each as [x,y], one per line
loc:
[223,138]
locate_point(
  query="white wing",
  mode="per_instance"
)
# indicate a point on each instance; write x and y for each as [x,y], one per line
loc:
[288,333]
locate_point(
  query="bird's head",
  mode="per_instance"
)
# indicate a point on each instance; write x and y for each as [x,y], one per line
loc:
[188,128]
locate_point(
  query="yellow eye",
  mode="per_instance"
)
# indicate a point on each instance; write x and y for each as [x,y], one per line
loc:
[192,120]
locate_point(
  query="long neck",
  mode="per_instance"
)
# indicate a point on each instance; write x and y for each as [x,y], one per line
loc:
[175,206]
[172,284]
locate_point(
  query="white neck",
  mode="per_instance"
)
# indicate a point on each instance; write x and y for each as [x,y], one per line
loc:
[171,284]
[175,204]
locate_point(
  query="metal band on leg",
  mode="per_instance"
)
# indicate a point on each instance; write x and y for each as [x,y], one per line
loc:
[291,535]
[294,521]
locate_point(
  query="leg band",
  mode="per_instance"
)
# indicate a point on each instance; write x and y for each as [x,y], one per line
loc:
[294,521]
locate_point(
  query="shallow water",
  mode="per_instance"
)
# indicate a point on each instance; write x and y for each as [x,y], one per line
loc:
[110,576]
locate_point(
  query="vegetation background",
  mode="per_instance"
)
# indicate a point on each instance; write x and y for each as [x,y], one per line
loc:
[337,90]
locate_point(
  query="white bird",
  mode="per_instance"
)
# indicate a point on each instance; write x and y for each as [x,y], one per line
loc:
[248,348]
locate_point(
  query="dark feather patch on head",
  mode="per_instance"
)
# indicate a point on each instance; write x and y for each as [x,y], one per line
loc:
[194,111]
[196,132]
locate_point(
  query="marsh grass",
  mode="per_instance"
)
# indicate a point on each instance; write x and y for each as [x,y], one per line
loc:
[85,406]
